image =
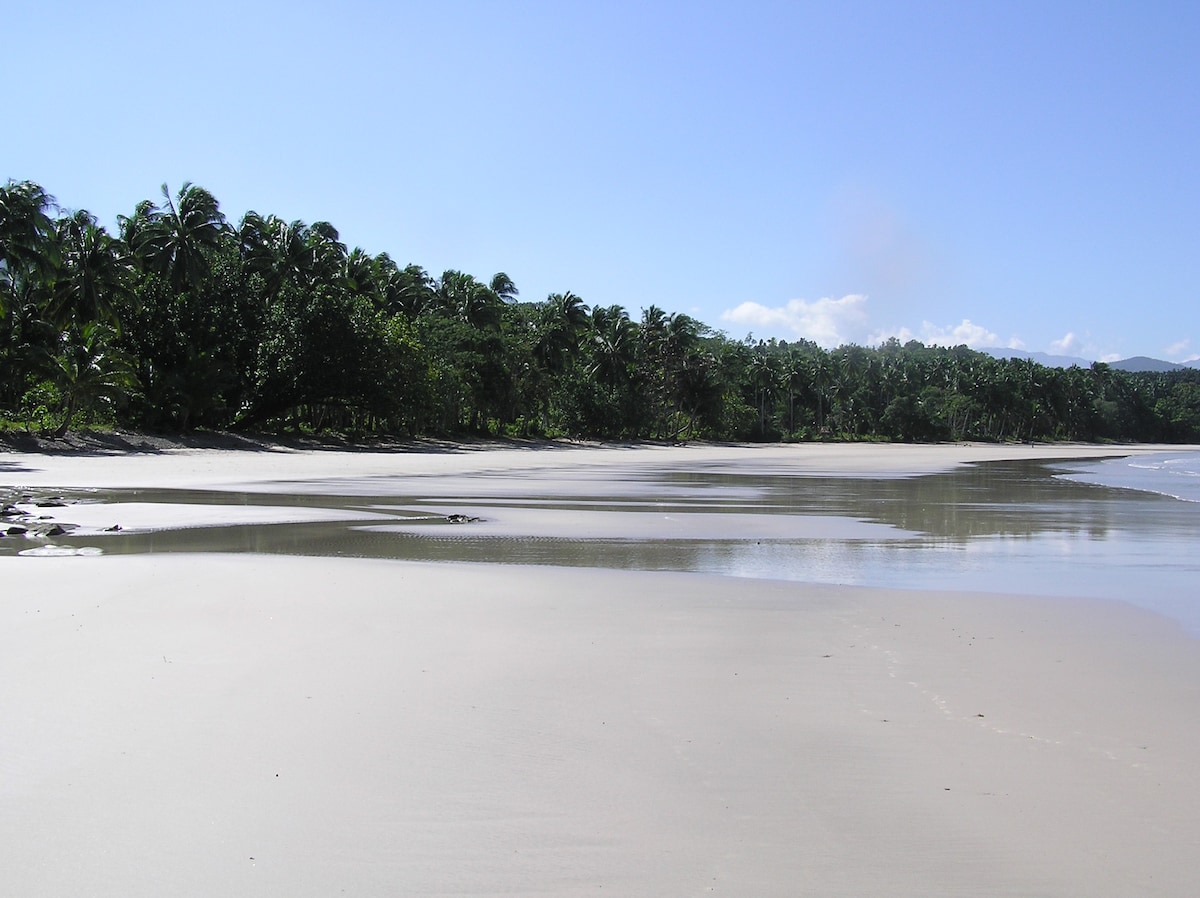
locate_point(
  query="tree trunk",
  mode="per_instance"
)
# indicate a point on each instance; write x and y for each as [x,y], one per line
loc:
[62,429]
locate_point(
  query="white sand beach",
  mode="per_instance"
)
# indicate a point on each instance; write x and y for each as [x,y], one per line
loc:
[198,725]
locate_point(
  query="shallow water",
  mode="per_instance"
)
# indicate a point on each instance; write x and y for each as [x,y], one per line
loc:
[1044,528]
[1174,474]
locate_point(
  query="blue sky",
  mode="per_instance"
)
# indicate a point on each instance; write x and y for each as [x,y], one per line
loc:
[1005,173]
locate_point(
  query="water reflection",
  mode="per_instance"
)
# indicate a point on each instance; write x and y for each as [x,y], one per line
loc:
[999,526]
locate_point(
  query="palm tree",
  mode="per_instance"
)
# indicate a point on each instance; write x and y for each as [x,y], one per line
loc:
[468,300]
[820,373]
[362,273]
[26,247]
[612,341]
[175,239]
[88,369]
[764,375]
[652,330]
[665,342]
[504,288]
[278,251]
[700,392]
[562,318]
[328,252]
[409,290]
[793,378]
[135,229]
[95,271]
[682,335]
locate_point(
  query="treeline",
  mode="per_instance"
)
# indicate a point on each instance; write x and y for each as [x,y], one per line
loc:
[184,320]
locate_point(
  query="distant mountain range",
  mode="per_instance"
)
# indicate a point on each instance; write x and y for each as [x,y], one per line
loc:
[1137,363]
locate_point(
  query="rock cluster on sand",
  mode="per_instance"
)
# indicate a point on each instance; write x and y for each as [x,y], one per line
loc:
[19,517]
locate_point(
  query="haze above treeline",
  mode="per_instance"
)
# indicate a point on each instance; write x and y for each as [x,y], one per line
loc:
[182,319]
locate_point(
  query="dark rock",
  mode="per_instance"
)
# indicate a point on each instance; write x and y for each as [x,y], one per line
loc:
[49,530]
[461,519]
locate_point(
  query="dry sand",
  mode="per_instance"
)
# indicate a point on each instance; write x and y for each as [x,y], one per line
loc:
[242,725]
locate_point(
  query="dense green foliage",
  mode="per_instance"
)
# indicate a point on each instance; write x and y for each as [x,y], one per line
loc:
[183,320]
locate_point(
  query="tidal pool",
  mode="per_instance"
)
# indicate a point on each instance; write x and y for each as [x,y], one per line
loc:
[1023,527]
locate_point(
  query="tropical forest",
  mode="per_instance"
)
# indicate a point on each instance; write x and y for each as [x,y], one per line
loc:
[181,320]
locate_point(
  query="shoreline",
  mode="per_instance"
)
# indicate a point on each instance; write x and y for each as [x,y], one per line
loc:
[97,443]
[186,465]
[259,724]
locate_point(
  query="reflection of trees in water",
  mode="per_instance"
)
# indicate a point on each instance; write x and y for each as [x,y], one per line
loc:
[1020,499]
[1012,499]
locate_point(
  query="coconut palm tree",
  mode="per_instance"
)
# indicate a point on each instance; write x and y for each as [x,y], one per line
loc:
[88,369]
[699,392]
[764,373]
[504,288]
[409,290]
[175,240]
[562,318]
[329,254]
[277,251]
[612,345]
[362,273]
[95,271]
[793,377]
[468,300]
[26,246]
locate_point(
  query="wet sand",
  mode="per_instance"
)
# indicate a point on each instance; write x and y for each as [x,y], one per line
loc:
[219,724]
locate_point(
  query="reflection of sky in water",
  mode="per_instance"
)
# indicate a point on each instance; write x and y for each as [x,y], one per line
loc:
[1078,529]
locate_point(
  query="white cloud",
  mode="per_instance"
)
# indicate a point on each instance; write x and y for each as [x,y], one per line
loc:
[1068,345]
[835,322]
[1176,352]
[966,333]
[827,322]
[1084,346]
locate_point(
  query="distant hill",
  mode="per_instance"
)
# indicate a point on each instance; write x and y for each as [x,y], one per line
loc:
[1042,358]
[1137,363]
[1142,363]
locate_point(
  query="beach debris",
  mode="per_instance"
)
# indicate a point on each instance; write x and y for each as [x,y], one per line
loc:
[115,528]
[461,519]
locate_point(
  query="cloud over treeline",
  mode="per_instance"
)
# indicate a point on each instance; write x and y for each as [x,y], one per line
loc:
[827,322]
[830,322]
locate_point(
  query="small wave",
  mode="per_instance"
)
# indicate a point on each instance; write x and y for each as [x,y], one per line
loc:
[1173,464]
[1175,475]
